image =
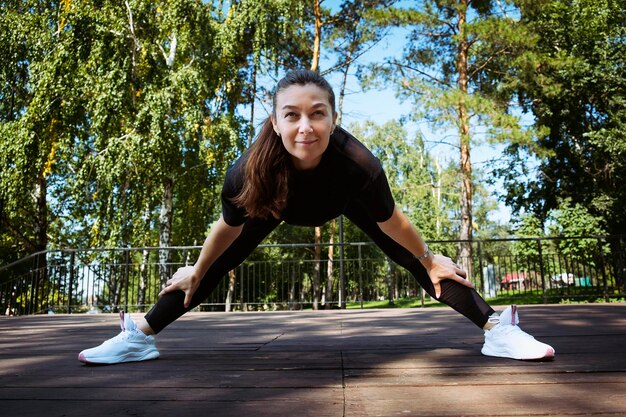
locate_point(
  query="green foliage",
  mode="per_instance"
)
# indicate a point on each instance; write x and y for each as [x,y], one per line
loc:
[575,225]
[102,105]
[34,109]
[528,227]
[575,220]
[574,85]
[410,171]
[156,119]
[430,75]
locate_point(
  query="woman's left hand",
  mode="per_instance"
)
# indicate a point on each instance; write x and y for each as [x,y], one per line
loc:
[440,268]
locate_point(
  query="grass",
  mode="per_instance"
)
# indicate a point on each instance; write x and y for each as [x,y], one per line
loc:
[399,303]
[571,295]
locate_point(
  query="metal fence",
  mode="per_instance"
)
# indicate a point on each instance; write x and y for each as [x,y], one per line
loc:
[545,270]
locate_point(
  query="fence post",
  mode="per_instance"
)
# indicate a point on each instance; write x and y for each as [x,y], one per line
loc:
[71,284]
[604,280]
[542,272]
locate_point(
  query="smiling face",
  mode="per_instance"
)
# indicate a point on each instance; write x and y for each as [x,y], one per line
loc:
[304,120]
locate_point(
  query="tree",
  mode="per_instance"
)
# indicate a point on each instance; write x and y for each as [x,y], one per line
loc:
[574,224]
[575,88]
[574,220]
[455,68]
[357,28]
[38,110]
[121,119]
[410,170]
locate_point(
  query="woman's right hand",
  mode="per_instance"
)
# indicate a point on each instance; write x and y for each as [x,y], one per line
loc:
[188,278]
[441,267]
[185,279]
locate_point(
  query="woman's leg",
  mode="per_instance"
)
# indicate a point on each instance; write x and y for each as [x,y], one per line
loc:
[461,298]
[169,307]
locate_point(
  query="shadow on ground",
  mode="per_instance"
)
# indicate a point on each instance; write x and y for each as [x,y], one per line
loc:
[409,362]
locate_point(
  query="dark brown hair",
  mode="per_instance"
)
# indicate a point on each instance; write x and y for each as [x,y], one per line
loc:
[268,165]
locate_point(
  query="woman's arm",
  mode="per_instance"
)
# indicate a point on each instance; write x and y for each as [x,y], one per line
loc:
[187,279]
[439,267]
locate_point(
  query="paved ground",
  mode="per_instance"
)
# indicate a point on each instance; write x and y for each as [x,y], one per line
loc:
[340,363]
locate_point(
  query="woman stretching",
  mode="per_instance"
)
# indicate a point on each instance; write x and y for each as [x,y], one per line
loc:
[304,170]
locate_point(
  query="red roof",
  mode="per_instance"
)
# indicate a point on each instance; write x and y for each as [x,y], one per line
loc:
[514,277]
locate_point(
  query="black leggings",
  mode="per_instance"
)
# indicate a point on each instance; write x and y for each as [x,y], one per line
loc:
[465,300]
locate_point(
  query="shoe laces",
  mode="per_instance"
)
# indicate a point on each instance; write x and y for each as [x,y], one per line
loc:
[128,328]
[511,330]
[121,337]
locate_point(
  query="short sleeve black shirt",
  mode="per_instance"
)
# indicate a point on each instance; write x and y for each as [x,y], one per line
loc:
[348,174]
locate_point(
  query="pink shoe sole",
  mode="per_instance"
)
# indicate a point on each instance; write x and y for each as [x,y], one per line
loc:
[548,356]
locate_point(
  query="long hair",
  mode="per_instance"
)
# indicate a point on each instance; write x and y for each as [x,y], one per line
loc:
[268,165]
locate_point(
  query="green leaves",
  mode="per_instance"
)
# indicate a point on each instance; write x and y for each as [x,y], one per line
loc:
[103,105]
[575,89]
[119,99]
[423,189]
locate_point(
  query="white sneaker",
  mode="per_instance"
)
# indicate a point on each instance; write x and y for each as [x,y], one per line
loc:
[129,346]
[507,340]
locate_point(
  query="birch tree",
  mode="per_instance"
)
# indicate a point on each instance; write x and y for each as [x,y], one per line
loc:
[38,111]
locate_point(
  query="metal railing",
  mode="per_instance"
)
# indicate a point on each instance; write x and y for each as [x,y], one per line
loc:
[274,277]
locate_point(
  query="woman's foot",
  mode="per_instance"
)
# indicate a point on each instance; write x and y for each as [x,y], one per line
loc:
[506,340]
[130,345]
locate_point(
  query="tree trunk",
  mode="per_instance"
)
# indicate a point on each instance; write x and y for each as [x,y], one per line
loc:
[165,230]
[317,41]
[143,279]
[252,101]
[465,253]
[437,196]
[331,261]
[231,290]
[342,94]
[41,219]
[145,259]
[318,266]
[389,282]
[41,238]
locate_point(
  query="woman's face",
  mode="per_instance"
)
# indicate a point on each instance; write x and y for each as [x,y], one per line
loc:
[304,121]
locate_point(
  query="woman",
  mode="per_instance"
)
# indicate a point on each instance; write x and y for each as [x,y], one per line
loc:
[304,170]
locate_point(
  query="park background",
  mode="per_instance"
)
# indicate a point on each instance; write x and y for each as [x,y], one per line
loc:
[493,119]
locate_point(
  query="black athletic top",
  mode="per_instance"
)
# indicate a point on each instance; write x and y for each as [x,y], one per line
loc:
[347,174]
